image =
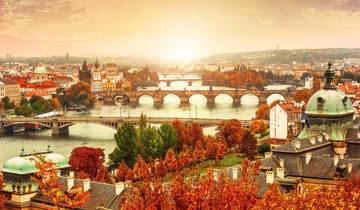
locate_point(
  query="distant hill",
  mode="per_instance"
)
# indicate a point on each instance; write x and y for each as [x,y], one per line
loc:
[285,56]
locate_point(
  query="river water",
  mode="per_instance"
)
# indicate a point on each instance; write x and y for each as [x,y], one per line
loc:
[100,136]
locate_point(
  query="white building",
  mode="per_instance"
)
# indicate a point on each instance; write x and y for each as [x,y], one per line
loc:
[96,86]
[285,120]
[2,90]
[309,83]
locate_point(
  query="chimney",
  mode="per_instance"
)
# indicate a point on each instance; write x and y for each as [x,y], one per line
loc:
[281,163]
[320,138]
[341,156]
[268,154]
[58,172]
[269,177]
[358,135]
[70,182]
[312,140]
[297,144]
[280,172]
[216,175]
[326,136]
[72,173]
[308,157]
[234,173]
[86,183]
[336,160]
[119,187]
[349,166]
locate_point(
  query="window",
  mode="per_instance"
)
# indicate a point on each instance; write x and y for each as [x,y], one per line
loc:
[320,103]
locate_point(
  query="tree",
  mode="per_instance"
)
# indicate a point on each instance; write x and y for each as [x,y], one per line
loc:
[258,126]
[39,105]
[261,149]
[152,145]
[170,160]
[230,131]
[8,104]
[303,95]
[80,94]
[168,135]
[123,173]
[103,175]
[56,102]
[47,180]
[126,146]
[187,134]
[2,197]
[248,146]
[141,169]
[87,159]
[263,112]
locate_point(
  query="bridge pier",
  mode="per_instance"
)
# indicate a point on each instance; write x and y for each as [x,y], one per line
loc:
[57,130]
[210,100]
[262,100]
[2,128]
[158,100]
[236,101]
[184,100]
[168,84]
[190,83]
[133,101]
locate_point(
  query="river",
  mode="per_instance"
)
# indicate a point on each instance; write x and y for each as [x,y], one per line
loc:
[100,136]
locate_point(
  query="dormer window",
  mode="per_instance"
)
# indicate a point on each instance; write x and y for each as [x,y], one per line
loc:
[320,103]
[344,100]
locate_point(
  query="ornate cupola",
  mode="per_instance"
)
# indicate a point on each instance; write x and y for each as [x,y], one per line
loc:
[329,112]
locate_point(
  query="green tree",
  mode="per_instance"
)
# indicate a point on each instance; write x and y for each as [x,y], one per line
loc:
[152,145]
[8,104]
[126,146]
[261,149]
[168,135]
[80,94]
[40,105]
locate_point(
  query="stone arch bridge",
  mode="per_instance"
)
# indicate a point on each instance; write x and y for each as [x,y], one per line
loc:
[60,125]
[188,81]
[184,95]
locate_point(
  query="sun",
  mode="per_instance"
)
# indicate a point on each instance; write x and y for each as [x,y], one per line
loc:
[182,55]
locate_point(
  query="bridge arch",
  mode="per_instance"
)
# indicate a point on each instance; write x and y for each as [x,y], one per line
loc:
[223,98]
[47,125]
[171,99]
[113,125]
[197,98]
[147,98]
[249,98]
[273,97]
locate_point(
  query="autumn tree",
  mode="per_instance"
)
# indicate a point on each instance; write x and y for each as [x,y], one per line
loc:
[141,169]
[2,197]
[103,175]
[80,94]
[263,112]
[230,131]
[49,185]
[258,126]
[248,146]
[170,160]
[126,146]
[187,134]
[123,173]
[87,159]
[303,95]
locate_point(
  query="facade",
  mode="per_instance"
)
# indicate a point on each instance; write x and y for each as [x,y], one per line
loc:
[12,89]
[309,83]
[285,120]
[108,86]
[111,68]
[326,150]
[2,90]
[40,74]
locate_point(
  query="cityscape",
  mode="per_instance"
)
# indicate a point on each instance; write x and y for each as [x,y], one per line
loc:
[202,104]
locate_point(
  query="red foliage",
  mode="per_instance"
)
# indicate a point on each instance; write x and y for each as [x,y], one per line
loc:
[160,169]
[47,180]
[141,169]
[248,146]
[187,134]
[87,159]
[2,197]
[258,126]
[170,160]
[263,112]
[103,175]
[231,132]
[303,95]
[234,78]
[124,173]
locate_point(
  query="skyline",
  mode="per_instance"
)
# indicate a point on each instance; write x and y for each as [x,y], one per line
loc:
[176,31]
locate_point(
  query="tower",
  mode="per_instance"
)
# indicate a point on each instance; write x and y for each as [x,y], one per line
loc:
[85,73]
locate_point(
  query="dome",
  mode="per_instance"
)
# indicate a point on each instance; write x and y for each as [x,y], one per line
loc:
[329,103]
[26,164]
[40,70]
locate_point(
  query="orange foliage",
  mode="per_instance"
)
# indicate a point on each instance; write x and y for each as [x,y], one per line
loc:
[234,78]
[170,160]
[187,134]
[303,95]
[231,132]
[2,197]
[263,112]
[56,102]
[103,175]
[141,169]
[48,183]
[124,173]
[258,126]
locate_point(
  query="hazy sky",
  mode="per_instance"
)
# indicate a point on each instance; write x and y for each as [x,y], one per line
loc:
[174,29]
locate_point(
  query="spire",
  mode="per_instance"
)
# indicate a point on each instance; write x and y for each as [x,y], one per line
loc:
[84,66]
[329,78]
[97,64]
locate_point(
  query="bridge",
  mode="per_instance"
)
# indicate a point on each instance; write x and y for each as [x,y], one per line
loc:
[184,95]
[189,81]
[60,125]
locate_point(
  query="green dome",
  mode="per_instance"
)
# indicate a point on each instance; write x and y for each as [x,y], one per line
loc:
[329,103]
[40,70]
[26,164]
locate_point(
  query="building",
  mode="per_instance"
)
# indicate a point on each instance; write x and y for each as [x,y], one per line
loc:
[285,120]
[326,150]
[108,86]
[2,90]
[40,74]
[22,191]
[309,83]
[85,74]
[12,89]
[111,68]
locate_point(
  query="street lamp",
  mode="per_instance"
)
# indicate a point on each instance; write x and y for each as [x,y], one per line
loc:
[196,116]
[129,111]
[120,111]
